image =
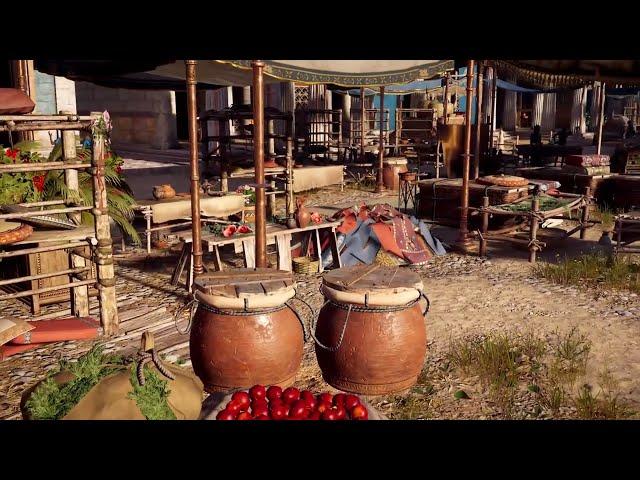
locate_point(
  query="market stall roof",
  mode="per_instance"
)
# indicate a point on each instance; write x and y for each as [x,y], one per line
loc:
[568,73]
[346,73]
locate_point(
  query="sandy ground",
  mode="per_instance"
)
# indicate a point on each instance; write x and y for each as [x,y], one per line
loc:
[469,295]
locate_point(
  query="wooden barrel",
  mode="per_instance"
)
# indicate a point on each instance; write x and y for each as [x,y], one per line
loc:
[370,335]
[393,166]
[243,333]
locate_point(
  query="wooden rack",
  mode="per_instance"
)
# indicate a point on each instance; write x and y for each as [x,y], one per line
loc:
[372,118]
[96,240]
[323,128]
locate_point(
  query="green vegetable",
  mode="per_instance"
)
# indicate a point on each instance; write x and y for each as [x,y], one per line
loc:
[152,397]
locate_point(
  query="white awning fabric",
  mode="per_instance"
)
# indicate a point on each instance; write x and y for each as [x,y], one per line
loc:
[348,73]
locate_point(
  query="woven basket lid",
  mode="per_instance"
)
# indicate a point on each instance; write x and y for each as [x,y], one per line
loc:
[503,181]
[395,161]
[245,288]
[6,226]
[372,284]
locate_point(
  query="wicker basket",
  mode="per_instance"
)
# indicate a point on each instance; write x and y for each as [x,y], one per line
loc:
[16,235]
[306,265]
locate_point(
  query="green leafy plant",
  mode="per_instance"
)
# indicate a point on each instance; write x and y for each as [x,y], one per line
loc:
[23,186]
[120,199]
[151,397]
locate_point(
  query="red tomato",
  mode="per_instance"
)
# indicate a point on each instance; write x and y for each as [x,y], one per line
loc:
[233,406]
[258,392]
[225,415]
[338,399]
[261,410]
[314,416]
[278,412]
[323,406]
[329,414]
[262,417]
[326,398]
[259,403]
[243,399]
[299,409]
[274,392]
[359,412]
[275,401]
[245,416]
[351,401]
[290,395]
[341,413]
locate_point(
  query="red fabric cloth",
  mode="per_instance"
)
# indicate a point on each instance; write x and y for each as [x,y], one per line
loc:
[7,350]
[59,330]
[413,247]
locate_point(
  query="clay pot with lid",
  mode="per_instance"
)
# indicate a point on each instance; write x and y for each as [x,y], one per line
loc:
[370,334]
[302,215]
[393,167]
[243,336]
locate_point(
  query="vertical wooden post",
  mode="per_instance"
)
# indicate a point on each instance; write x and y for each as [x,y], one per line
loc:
[258,157]
[618,234]
[601,116]
[79,295]
[380,183]
[363,113]
[485,228]
[533,233]
[104,249]
[289,200]
[445,100]
[479,90]
[196,227]
[584,217]
[464,207]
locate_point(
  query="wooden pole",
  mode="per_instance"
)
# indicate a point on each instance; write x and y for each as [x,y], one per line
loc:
[258,157]
[291,222]
[479,90]
[104,251]
[533,232]
[445,100]
[485,228]
[195,175]
[362,120]
[464,207]
[380,185]
[584,217]
[601,116]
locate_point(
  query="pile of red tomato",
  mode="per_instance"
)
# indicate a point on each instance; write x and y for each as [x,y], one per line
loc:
[261,403]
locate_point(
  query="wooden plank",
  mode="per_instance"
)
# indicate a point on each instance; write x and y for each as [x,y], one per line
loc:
[284,252]
[318,249]
[249,288]
[249,252]
[129,315]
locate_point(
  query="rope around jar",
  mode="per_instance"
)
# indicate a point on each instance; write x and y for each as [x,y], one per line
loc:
[193,306]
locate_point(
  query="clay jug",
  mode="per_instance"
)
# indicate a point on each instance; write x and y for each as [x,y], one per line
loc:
[303,217]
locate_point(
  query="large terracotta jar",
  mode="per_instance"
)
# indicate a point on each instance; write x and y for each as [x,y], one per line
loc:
[370,334]
[241,335]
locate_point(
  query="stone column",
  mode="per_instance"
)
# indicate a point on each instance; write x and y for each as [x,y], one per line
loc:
[487,91]
[217,100]
[595,103]
[577,111]
[346,112]
[549,112]
[509,110]
[538,108]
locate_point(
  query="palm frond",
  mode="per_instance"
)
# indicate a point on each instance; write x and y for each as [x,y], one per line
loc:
[27,145]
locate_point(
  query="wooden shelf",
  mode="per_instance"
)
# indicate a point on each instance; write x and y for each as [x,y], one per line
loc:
[47,236]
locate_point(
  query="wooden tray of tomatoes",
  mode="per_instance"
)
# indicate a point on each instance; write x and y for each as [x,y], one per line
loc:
[274,403]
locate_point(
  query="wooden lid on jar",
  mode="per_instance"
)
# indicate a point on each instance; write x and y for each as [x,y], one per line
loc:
[245,288]
[374,285]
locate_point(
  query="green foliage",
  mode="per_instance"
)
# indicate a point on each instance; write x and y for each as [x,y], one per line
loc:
[151,397]
[592,268]
[52,401]
[547,202]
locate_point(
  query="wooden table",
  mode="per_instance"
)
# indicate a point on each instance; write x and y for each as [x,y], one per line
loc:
[278,234]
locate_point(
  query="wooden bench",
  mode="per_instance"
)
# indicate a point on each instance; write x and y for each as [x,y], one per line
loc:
[279,235]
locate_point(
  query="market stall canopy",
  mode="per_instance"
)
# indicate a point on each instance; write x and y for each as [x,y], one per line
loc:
[346,73]
[567,73]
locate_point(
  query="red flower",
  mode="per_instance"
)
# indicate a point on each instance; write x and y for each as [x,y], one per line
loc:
[13,153]
[38,182]
[119,170]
